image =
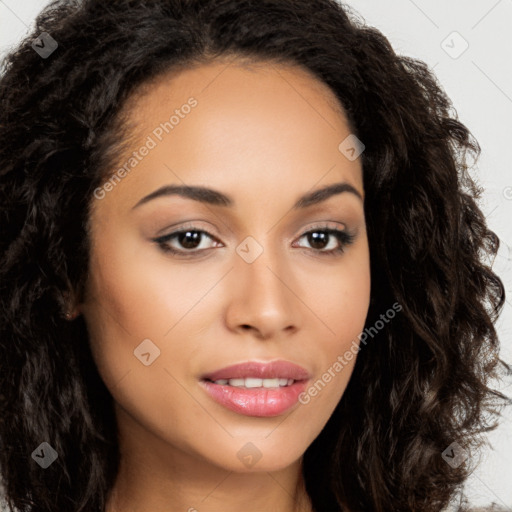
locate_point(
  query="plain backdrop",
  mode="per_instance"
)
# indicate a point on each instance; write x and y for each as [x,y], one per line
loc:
[467,44]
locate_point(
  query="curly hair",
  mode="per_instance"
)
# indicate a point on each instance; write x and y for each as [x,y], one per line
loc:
[422,382]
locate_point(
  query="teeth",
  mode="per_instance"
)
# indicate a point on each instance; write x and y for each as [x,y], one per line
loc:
[253,382]
[236,382]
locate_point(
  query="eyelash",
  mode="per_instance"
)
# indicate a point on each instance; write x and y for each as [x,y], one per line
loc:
[344,238]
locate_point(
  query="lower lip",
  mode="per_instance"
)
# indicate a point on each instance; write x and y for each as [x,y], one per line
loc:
[262,402]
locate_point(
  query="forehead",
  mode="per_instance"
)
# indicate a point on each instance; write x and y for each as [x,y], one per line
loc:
[236,75]
[230,91]
[263,125]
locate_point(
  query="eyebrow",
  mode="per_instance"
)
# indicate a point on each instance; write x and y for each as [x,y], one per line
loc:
[216,198]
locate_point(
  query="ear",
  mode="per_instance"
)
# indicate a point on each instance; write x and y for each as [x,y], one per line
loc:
[68,304]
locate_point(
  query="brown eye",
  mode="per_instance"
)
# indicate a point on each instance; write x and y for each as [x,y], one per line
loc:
[318,239]
[189,239]
[334,239]
[185,242]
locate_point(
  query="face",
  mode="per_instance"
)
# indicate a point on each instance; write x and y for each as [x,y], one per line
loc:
[259,269]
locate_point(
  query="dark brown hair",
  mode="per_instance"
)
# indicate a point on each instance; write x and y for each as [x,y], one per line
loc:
[420,384]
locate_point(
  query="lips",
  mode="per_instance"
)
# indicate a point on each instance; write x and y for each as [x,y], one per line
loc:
[257,389]
[273,370]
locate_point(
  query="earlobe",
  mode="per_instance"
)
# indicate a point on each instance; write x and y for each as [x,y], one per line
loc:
[71,315]
[70,307]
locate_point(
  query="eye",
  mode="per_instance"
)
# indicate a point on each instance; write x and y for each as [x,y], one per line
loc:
[188,240]
[328,241]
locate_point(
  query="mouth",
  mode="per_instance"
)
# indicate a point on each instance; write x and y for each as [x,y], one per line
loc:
[254,382]
[257,389]
[251,372]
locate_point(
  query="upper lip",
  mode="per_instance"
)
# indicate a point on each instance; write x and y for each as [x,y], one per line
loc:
[271,370]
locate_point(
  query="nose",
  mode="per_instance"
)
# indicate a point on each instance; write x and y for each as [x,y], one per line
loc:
[264,298]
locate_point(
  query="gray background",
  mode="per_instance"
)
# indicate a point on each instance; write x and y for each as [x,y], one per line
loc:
[478,79]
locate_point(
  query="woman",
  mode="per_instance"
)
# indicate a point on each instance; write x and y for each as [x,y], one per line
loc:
[242,265]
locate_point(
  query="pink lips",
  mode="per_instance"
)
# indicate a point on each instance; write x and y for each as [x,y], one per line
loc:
[272,370]
[263,402]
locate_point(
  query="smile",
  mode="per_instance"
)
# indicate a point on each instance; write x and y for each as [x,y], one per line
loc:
[257,389]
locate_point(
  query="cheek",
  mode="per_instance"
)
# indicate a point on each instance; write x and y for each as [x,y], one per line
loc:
[341,304]
[133,295]
[135,310]
[137,287]
[344,310]
[340,296]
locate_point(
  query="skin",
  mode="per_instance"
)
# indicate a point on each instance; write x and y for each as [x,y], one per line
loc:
[264,135]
